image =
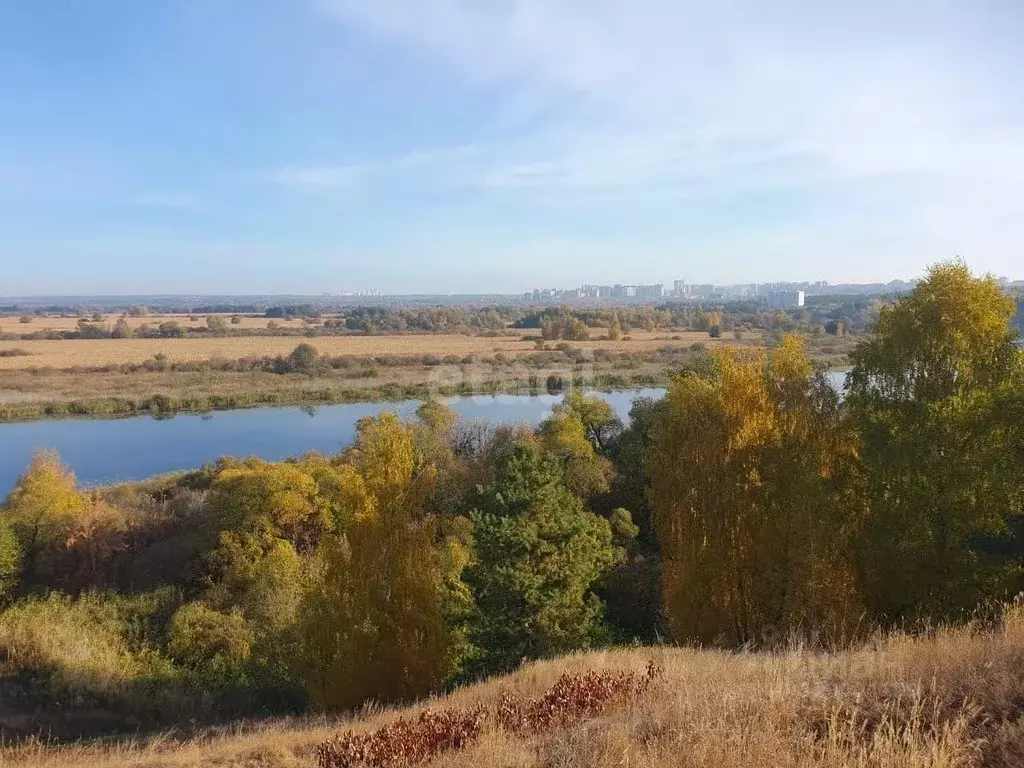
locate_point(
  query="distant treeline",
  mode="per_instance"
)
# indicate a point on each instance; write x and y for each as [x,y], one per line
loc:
[834,315]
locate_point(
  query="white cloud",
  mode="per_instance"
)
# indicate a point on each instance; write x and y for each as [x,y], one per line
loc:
[714,99]
[889,89]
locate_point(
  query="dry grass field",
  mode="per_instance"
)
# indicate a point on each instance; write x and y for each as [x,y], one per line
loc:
[948,700]
[65,354]
[12,324]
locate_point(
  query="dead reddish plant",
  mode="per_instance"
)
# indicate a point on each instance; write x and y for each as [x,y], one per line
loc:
[573,698]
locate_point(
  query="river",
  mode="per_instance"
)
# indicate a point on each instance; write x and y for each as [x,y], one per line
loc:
[105,451]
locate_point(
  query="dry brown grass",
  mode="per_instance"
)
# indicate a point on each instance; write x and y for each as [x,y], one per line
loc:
[101,352]
[952,700]
[12,324]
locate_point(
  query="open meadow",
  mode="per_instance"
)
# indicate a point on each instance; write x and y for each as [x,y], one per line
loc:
[88,353]
[949,700]
[37,323]
[123,377]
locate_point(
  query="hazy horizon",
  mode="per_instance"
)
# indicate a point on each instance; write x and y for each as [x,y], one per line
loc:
[440,294]
[289,147]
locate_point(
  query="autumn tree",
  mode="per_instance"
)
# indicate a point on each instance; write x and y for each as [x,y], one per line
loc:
[216,323]
[121,329]
[434,435]
[10,559]
[281,499]
[43,510]
[213,645]
[614,328]
[600,422]
[699,321]
[374,626]
[748,490]
[539,553]
[93,541]
[563,324]
[304,359]
[631,592]
[564,438]
[262,520]
[930,390]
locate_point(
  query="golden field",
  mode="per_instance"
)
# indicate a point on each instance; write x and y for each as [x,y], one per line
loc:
[103,352]
[12,324]
[947,700]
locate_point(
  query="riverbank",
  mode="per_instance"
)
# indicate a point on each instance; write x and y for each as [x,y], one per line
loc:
[173,383]
[109,451]
[167,405]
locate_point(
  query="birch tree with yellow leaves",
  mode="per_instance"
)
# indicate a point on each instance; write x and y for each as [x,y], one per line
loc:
[374,625]
[752,491]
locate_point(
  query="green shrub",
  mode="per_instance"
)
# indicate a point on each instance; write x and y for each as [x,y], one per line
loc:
[214,645]
[10,559]
[304,359]
[216,324]
[75,650]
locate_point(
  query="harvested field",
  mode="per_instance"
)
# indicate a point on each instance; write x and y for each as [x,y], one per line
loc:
[66,354]
[12,324]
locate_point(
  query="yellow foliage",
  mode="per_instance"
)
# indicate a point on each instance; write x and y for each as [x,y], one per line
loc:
[283,499]
[565,437]
[374,624]
[44,508]
[384,456]
[750,527]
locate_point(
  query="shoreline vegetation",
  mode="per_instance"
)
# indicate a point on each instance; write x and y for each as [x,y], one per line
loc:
[66,362]
[159,406]
[308,374]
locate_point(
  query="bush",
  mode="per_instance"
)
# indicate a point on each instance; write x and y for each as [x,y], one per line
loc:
[573,699]
[212,644]
[74,649]
[43,510]
[25,319]
[216,324]
[121,329]
[304,359]
[172,330]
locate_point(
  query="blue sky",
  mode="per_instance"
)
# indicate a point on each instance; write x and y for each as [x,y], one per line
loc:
[259,146]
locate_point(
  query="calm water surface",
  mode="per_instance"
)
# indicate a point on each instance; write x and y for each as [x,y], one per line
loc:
[102,451]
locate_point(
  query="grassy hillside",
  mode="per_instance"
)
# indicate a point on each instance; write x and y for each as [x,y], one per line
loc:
[949,698]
